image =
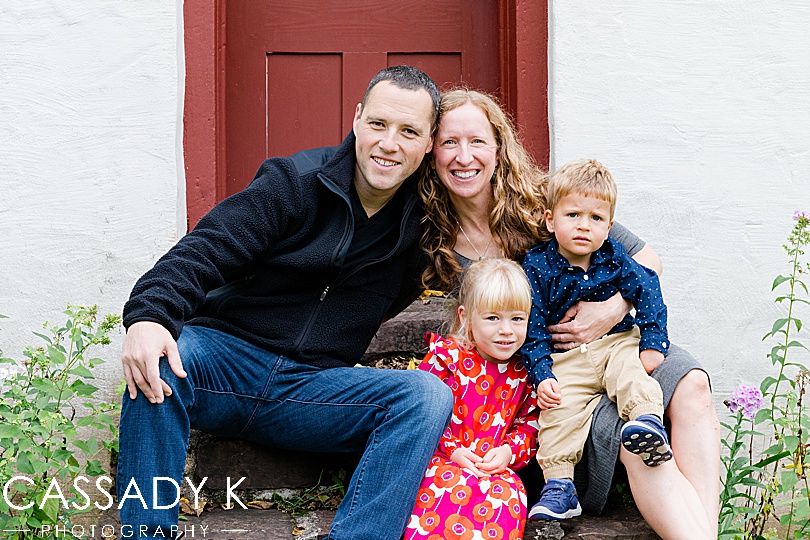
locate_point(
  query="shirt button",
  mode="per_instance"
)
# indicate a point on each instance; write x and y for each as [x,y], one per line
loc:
[585,277]
[664,344]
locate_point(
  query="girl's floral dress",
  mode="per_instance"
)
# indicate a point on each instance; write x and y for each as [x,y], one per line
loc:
[493,404]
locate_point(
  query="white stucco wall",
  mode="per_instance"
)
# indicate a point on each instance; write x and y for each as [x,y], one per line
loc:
[702,112]
[91,172]
[700,109]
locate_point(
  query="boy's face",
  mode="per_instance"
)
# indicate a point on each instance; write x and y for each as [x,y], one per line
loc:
[580,224]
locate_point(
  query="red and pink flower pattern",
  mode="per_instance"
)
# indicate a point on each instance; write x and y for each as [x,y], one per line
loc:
[493,405]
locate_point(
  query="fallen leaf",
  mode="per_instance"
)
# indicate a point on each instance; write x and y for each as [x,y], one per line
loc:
[298,531]
[425,296]
[261,505]
[187,509]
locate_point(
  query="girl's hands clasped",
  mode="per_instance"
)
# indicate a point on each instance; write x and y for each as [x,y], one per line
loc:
[469,460]
[494,462]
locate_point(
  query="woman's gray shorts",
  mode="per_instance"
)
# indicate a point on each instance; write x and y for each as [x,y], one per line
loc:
[594,473]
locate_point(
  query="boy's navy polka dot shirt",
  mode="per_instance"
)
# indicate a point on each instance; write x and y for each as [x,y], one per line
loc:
[557,285]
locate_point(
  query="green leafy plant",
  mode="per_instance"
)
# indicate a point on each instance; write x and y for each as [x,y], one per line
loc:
[313,498]
[770,488]
[49,420]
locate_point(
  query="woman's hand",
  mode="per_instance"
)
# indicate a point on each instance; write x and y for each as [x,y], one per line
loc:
[548,394]
[468,460]
[496,460]
[585,322]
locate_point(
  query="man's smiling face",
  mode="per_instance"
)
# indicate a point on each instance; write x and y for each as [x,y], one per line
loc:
[393,132]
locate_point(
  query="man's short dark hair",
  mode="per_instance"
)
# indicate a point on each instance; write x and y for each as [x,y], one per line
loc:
[408,78]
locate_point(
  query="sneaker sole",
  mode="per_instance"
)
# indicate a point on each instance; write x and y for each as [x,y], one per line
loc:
[649,445]
[536,514]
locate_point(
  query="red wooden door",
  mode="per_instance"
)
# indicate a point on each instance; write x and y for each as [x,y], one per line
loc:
[295,71]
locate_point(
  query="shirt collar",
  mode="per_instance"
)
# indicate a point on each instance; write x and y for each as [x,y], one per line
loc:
[560,264]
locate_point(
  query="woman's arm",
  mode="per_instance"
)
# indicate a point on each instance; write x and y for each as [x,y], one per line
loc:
[649,258]
[636,247]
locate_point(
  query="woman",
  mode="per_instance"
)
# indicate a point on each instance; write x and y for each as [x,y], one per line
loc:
[484,198]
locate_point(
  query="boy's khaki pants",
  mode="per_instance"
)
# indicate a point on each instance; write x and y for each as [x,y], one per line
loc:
[609,365]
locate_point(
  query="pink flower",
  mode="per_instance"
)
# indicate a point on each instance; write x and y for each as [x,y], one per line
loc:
[801,214]
[747,398]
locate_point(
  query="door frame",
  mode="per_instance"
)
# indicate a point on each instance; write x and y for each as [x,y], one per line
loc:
[523,35]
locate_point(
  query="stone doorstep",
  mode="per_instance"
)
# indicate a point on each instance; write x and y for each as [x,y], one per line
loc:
[268,469]
[406,331]
[273,524]
[263,468]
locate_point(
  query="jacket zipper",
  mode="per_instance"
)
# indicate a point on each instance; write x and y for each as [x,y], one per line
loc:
[346,238]
[344,242]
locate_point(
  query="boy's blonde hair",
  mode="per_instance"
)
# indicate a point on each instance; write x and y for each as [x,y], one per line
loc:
[588,177]
[489,285]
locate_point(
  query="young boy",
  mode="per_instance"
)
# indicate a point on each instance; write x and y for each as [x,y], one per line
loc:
[582,263]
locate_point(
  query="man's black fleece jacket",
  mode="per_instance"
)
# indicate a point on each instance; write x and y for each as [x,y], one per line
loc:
[270,260]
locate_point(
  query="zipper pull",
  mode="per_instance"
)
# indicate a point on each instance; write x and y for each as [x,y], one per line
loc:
[323,294]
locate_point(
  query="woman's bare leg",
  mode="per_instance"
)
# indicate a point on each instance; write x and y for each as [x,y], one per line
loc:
[696,439]
[680,498]
[666,500]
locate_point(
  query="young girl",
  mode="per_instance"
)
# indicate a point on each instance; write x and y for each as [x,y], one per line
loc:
[470,484]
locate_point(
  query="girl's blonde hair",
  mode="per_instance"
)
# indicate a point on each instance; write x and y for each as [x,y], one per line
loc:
[518,193]
[489,285]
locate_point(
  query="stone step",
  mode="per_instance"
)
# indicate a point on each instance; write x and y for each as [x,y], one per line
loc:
[253,524]
[263,468]
[267,469]
[405,333]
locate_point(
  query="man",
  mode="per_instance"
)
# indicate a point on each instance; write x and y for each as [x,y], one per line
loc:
[273,295]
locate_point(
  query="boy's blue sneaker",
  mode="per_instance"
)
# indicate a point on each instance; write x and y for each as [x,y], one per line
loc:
[558,501]
[646,437]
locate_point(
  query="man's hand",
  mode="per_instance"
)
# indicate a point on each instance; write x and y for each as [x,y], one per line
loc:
[496,460]
[548,394]
[651,359]
[585,322]
[145,343]
[469,460]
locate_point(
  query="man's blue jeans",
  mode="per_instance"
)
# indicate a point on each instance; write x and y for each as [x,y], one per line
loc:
[235,389]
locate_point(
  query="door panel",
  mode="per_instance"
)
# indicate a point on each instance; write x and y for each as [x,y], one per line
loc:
[295,71]
[297,118]
[444,68]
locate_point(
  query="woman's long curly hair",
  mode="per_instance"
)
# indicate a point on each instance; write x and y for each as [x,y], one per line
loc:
[518,194]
